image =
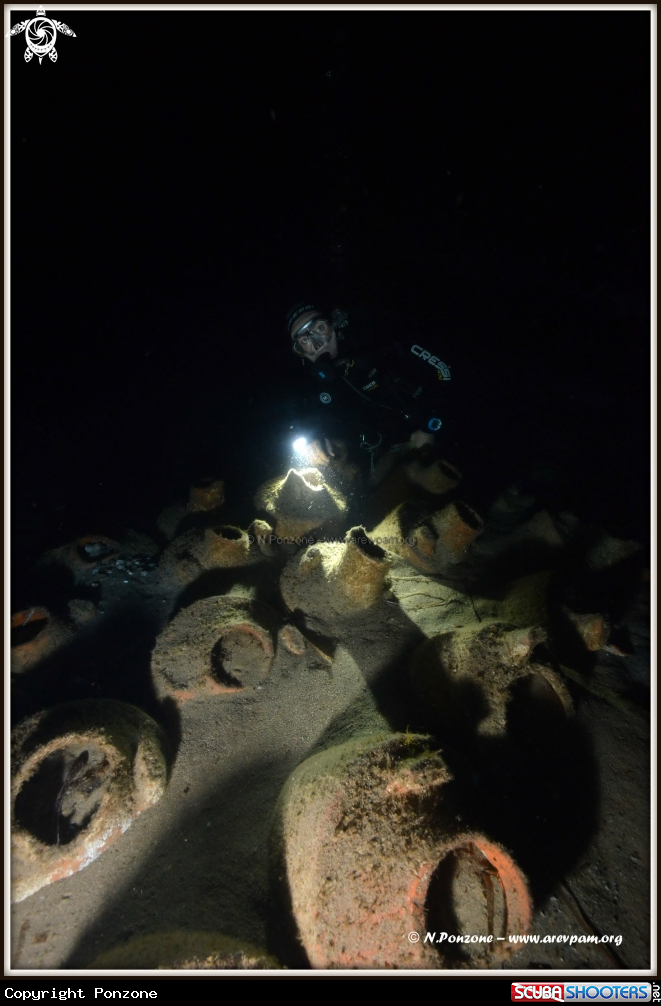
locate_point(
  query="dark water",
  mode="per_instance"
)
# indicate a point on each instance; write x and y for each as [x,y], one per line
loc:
[180,179]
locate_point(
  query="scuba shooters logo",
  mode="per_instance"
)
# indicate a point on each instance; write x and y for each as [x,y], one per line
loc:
[568,991]
[424,354]
[40,35]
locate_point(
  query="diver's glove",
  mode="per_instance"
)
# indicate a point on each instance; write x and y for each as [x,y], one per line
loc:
[335,449]
[421,439]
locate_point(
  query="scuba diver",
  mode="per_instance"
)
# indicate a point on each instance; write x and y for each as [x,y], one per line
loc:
[379,393]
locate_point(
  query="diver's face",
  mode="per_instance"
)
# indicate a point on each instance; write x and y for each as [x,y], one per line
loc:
[312,336]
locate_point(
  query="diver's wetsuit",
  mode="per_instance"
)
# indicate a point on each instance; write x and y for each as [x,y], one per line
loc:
[390,390]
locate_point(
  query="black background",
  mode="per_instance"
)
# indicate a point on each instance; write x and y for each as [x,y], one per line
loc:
[178,181]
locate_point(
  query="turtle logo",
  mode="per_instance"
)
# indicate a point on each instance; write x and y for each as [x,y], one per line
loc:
[40,35]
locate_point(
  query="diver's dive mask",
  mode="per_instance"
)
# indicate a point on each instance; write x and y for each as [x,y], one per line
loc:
[313,336]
